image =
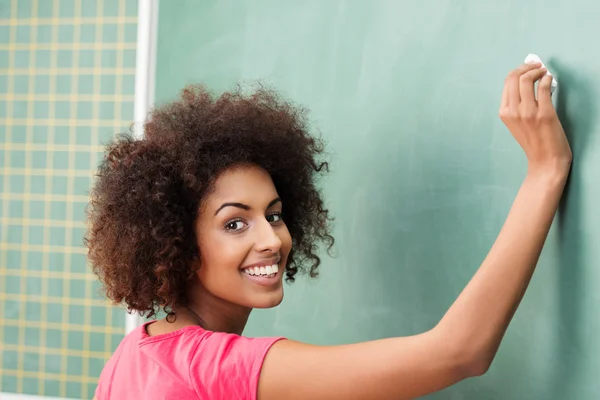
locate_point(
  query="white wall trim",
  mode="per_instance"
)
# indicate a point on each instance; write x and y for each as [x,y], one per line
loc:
[17,396]
[145,71]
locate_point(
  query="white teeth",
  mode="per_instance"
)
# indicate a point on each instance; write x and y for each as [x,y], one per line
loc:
[264,271]
[268,269]
[256,270]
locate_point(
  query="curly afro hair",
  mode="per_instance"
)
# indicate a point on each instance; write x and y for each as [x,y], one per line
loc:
[148,191]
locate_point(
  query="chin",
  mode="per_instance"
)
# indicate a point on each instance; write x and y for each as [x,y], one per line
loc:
[267,300]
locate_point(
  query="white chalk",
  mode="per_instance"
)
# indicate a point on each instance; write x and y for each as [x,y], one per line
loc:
[533,58]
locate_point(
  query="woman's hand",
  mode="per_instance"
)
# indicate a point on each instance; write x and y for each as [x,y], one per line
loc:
[534,122]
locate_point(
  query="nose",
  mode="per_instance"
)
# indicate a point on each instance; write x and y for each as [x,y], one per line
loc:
[267,239]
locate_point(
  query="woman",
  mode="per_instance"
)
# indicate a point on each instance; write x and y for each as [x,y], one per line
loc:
[205,216]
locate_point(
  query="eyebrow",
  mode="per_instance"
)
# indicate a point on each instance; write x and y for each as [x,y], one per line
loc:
[245,206]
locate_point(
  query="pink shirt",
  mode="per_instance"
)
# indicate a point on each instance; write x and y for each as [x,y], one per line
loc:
[190,363]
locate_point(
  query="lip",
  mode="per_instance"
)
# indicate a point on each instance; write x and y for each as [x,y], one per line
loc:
[263,280]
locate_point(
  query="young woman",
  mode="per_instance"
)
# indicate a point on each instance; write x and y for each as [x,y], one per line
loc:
[205,216]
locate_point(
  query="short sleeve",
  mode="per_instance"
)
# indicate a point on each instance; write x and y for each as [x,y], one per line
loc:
[227,366]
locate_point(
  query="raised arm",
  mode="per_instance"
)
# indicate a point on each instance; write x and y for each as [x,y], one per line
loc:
[465,341]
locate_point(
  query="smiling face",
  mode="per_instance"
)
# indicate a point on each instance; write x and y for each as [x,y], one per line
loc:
[244,243]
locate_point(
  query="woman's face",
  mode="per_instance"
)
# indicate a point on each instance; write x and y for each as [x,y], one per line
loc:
[244,243]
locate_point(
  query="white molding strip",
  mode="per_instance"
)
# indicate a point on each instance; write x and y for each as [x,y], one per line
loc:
[145,67]
[15,396]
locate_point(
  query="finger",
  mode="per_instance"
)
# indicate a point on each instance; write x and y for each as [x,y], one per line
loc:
[527,82]
[545,93]
[514,95]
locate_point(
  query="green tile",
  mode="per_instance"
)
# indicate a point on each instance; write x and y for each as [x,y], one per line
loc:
[17,159]
[98,316]
[129,58]
[79,263]
[32,336]
[54,339]
[86,84]
[30,385]
[36,209]
[61,135]
[58,210]
[38,184]
[19,109]
[59,184]
[107,84]
[66,8]
[109,58]
[40,134]
[87,33]
[95,366]
[42,59]
[3,110]
[33,311]
[35,260]
[41,110]
[77,289]
[64,59]
[4,64]
[107,110]
[2,133]
[15,234]
[52,388]
[44,33]
[75,338]
[21,58]
[88,8]
[86,59]
[24,8]
[131,8]
[61,160]
[131,33]
[96,340]
[44,9]
[4,34]
[56,261]
[62,110]
[75,314]
[42,84]
[53,363]
[13,284]
[55,287]
[38,159]
[63,84]
[128,84]
[16,183]
[85,109]
[19,134]
[31,363]
[54,312]
[82,160]
[15,208]
[109,33]
[81,184]
[11,335]
[65,33]
[9,359]
[77,238]
[74,365]
[12,309]
[13,259]
[83,135]
[9,384]
[21,84]
[118,317]
[23,34]
[36,235]
[110,9]
[105,135]
[34,286]
[74,390]
[116,339]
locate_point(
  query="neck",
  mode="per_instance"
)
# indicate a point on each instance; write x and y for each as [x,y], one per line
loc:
[212,313]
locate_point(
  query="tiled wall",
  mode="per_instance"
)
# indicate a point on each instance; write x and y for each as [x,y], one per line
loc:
[66,86]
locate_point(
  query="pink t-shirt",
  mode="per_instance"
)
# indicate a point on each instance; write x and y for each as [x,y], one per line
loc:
[190,363]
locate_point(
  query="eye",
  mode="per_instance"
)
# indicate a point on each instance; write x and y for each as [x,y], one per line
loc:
[235,225]
[274,218]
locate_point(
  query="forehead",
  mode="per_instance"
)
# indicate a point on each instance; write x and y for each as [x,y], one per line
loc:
[242,184]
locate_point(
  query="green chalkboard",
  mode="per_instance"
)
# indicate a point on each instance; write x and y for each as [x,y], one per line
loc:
[423,171]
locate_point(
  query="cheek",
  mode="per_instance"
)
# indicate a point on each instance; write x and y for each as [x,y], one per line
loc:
[221,256]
